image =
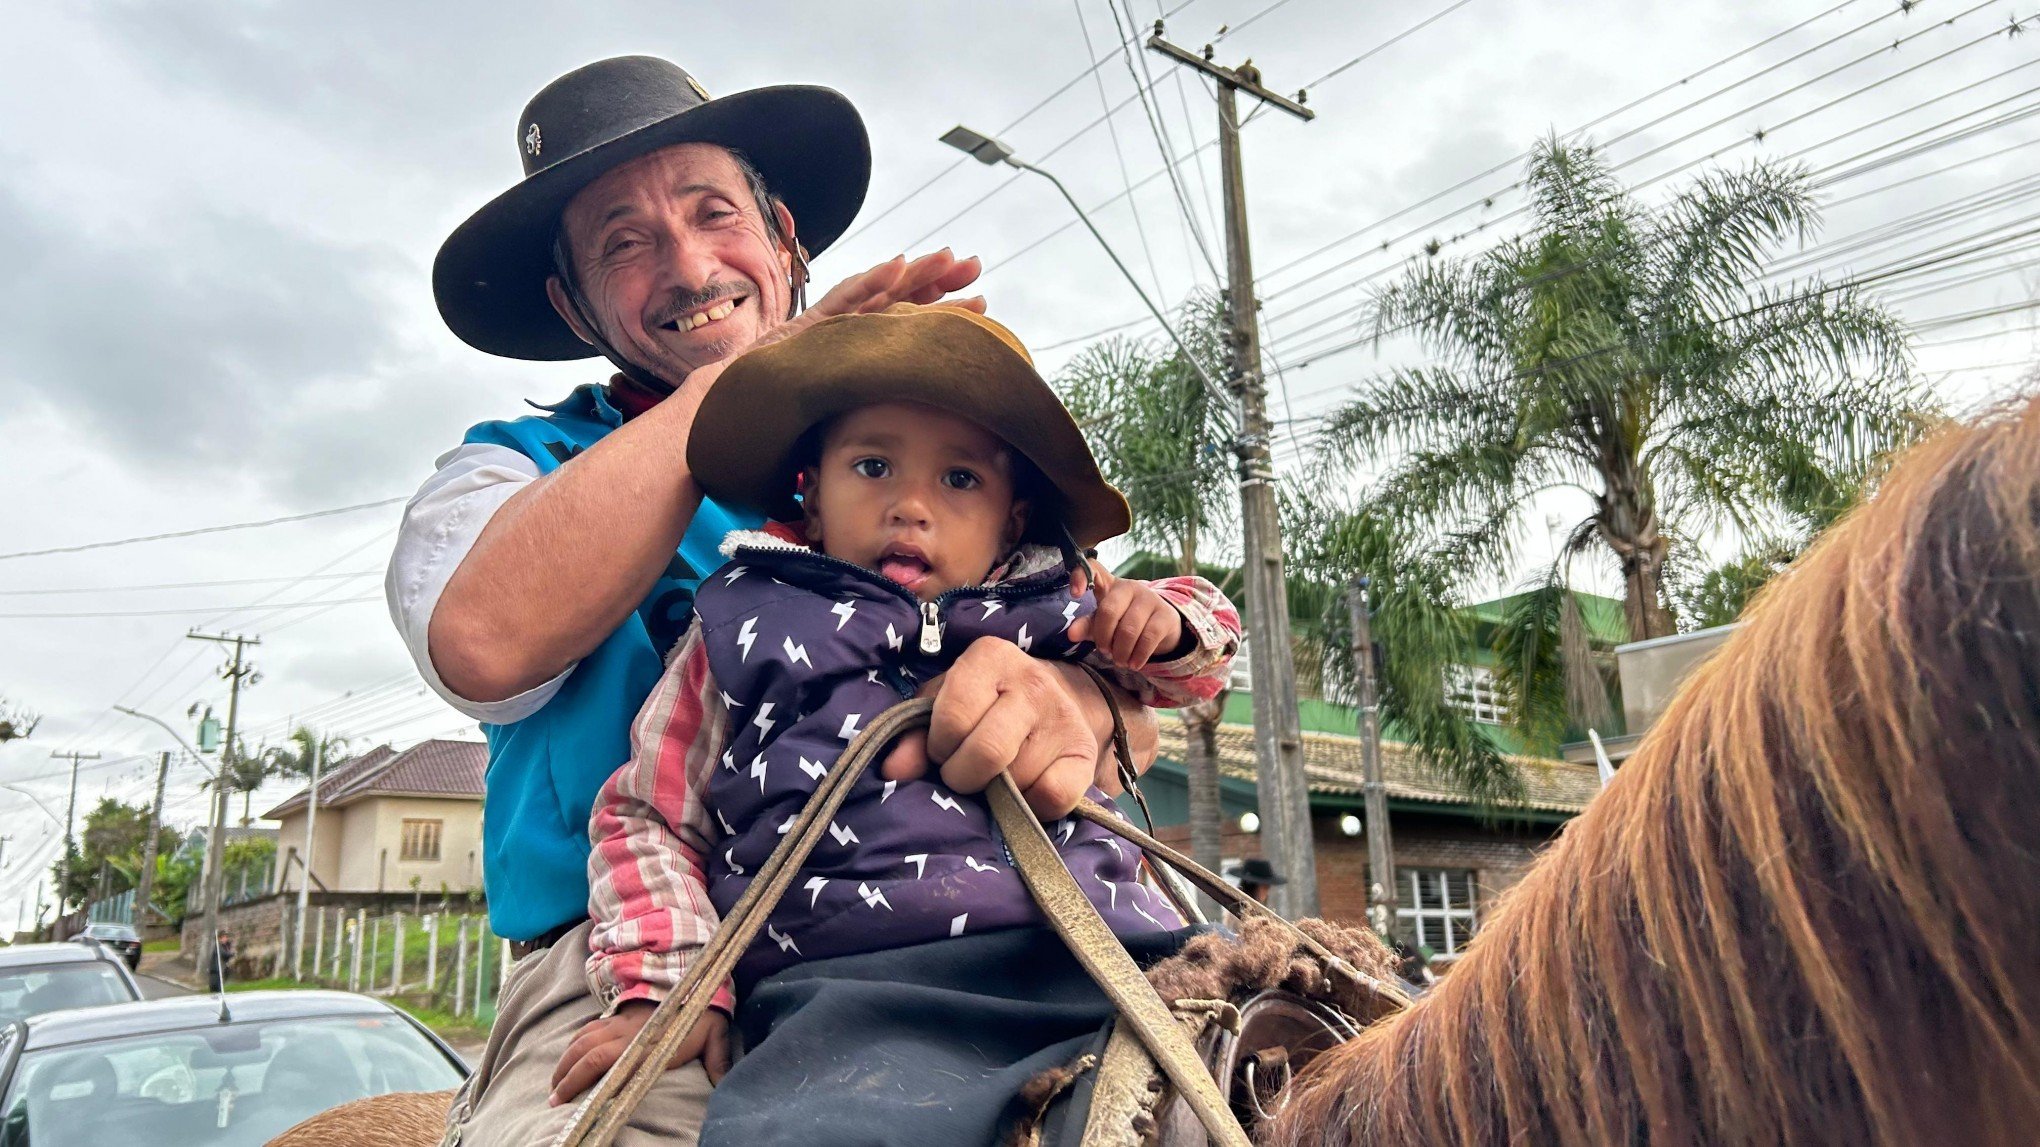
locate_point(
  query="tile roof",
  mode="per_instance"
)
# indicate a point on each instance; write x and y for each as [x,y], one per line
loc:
[1333,765]
[430,768]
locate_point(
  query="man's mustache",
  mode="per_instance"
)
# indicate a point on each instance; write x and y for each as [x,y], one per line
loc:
[683,300]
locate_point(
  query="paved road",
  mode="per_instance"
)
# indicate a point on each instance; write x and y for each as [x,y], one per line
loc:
[156,989]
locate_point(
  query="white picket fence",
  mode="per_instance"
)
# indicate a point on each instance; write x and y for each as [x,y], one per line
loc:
[450,958]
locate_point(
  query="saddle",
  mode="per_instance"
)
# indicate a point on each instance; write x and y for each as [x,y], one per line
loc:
[1204,1042]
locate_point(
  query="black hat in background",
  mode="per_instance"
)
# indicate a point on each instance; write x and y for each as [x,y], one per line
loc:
[1257,870]
[489,278]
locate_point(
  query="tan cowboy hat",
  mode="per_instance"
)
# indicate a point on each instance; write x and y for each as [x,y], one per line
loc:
[742,446]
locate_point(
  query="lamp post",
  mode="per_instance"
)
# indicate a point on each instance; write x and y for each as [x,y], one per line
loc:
[1281,787]
[219,812]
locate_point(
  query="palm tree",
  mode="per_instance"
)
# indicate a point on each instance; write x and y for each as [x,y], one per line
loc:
[1161,438]
[15,723]
[294,758]
[1635,354]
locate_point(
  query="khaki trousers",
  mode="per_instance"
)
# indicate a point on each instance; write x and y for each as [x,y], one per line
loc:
[545,1002]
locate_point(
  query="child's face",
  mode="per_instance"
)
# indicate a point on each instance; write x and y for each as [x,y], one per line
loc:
[919,495]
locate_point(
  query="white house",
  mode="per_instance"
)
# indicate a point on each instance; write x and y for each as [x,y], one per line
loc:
[387,818]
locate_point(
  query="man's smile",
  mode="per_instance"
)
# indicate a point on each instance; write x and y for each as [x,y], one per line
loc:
[703,316]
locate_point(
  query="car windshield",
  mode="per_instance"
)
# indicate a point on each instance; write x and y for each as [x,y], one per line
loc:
[110,932]
[28,992]
[224,1084]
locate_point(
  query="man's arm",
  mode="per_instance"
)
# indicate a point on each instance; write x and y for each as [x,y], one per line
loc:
[565,560]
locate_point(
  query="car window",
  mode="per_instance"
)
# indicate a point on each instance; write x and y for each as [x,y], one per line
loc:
[28,992]
[227,1085]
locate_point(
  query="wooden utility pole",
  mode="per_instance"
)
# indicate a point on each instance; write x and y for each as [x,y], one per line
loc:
[1374,793]
[70,813]
[236,672]
[145,884]
[1281,787]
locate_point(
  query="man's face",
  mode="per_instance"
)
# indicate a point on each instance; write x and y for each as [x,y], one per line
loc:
[674,260]
[919,495]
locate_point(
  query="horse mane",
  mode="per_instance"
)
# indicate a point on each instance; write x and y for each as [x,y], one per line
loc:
[1808,909]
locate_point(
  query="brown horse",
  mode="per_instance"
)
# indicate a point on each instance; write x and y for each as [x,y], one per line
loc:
[1808,909]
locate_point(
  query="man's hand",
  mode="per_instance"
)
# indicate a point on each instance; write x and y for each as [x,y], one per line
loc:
[1000,710]
[599,1043]
[927,279]
[1132,623]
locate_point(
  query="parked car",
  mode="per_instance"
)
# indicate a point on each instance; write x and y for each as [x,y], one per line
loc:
[37,978]
[232,1071]
[119,937]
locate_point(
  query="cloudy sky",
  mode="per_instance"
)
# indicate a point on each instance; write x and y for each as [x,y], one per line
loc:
[217,220]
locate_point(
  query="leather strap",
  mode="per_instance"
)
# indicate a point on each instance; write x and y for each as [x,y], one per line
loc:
[1233,900]
[1076,920]
[608,1105]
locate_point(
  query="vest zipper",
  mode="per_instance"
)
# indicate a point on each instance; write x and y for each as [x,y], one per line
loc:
[931,628]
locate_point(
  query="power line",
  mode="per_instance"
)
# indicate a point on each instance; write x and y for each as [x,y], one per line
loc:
[168,585]
[203,530]
[186,611]
[1125,176]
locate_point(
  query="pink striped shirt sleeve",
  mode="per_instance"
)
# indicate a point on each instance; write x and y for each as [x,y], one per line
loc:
[1200,674]
[648,885]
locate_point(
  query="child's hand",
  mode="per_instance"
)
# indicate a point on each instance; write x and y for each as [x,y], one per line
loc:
[1132,623]
[598,1044]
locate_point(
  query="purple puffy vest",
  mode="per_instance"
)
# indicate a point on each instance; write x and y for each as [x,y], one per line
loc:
[806,649]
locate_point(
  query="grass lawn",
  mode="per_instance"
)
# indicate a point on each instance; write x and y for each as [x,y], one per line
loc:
[443,1022]
[169,945]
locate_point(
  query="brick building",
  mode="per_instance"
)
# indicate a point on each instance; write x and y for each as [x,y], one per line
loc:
[1451,861]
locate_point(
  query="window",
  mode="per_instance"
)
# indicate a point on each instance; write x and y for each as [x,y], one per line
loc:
[1436,907]
[421,840]
[1472,690]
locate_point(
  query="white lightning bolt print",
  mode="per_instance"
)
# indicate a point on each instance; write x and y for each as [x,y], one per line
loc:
[943,801]
[1111,888]
[956,925]
[920,862]
[796,654]
[887,794]
[1070,614]
[729,760]
[731,577]
[1144,915]
[746,634]
[1067,827]
[1023,641]
[873,897]
[724,822]
[850,730]
[844,836]
[814,769]
[786,826]
[729,702]
[844,611]
[992,605]
[730,857]
[763,721]
[976,865]
[1112,842]
[892,636]
[758,771]
[814,888]
[871,676]
[782,939]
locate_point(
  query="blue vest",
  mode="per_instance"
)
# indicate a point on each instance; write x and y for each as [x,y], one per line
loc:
[545,770]
[806,649]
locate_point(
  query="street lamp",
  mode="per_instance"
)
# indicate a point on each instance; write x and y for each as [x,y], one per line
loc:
[219,819]
[989,151]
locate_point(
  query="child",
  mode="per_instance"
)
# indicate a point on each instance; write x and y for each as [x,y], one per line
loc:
[931,463]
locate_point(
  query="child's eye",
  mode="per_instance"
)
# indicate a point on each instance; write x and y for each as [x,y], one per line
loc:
[871,467]
[961,480]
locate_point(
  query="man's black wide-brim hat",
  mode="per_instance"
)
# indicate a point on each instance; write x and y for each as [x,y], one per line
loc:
[807,142]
